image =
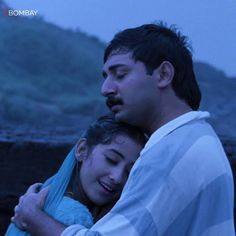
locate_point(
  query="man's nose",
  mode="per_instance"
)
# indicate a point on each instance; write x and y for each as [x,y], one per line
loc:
[108,87]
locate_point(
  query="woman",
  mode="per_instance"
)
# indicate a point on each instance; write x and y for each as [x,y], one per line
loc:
[83,192]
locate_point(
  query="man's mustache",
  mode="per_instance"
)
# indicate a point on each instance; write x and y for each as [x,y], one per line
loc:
[112,101]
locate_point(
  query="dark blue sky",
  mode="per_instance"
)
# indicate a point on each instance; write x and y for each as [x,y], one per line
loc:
[210,25]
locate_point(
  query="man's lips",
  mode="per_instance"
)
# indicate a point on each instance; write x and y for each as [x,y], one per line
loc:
[115,108]
[113,103]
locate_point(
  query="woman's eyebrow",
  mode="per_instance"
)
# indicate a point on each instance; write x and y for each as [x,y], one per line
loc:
[117,152]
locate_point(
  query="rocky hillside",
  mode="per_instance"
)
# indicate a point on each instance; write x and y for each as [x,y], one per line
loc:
[218,97]
[50,79]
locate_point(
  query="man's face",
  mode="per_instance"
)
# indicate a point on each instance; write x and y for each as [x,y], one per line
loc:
[131,93]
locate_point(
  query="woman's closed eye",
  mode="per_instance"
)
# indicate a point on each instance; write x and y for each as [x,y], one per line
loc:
[111,160]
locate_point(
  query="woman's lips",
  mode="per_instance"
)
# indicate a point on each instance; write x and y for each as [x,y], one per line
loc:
[108,188]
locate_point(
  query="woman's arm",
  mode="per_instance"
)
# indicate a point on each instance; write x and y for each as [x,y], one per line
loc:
[30,217]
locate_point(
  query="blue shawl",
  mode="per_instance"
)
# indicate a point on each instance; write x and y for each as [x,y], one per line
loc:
[58,184]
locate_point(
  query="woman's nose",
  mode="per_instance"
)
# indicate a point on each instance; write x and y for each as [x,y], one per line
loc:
[117,175]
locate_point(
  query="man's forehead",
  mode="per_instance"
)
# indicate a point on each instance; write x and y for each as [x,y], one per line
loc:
[118,59]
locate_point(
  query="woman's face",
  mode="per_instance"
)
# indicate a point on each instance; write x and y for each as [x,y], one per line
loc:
[105,170]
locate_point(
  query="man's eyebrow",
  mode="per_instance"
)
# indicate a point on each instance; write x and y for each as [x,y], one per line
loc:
[112,69]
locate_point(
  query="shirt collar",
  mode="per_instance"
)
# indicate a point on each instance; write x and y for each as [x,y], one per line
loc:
[172,125]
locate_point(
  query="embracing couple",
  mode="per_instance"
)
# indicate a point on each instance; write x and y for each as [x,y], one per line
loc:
[181,183]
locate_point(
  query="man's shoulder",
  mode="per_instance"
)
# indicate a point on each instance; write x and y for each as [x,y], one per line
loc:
[192,132]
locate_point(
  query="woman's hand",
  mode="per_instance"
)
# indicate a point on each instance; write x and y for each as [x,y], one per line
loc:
[29,206]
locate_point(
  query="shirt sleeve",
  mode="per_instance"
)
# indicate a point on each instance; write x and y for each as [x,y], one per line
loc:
[74,230]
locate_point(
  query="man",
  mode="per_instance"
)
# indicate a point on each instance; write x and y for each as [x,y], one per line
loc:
[182,183]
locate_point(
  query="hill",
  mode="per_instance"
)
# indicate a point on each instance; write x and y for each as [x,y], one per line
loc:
[218,97]
[49,77]
[50,80]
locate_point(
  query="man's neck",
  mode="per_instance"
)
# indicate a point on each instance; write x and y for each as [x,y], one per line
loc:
[168,114]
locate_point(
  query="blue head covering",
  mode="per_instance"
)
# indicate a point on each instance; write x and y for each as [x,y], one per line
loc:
[58,184]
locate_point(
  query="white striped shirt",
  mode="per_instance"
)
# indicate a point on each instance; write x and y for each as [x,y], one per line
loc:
[181,185]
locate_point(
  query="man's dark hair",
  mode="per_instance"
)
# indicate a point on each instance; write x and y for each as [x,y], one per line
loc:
[154,43]
[106,128]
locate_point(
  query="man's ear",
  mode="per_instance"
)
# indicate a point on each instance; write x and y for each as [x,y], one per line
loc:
[81,150]
[164,74]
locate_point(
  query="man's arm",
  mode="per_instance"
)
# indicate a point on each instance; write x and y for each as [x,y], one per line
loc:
[30,217]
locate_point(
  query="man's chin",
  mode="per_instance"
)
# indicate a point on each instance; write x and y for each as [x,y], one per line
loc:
[118,116]
[121,117]
[126,117]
